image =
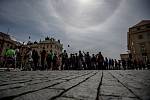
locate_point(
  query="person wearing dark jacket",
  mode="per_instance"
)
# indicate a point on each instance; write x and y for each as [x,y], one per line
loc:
[35,58]
[55,59]
[43,56]
[100,60]
[49,60]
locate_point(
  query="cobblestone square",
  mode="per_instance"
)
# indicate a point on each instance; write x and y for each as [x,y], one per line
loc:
[75,85]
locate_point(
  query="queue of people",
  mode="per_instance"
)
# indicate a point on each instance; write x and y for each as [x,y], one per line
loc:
[32,60]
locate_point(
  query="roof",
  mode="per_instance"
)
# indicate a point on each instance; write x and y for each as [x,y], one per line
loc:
[4,35]
[143,22]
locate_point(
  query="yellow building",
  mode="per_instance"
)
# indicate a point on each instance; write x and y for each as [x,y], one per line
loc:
[139,40]
[48,44]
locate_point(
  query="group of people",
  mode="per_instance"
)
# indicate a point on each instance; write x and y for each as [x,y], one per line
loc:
[32,60]
[84,61]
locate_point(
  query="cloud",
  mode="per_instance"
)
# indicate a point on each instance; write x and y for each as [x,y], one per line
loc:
[97,25]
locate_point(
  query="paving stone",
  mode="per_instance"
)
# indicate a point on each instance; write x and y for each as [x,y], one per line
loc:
[117,98]
[86,90]
[114,87]
[75,85]
[39,92]
[137,84]
[44,94]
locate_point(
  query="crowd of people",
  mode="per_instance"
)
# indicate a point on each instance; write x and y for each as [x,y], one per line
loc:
[32,60]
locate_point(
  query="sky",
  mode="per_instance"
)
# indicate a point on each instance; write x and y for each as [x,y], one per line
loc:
[87,25]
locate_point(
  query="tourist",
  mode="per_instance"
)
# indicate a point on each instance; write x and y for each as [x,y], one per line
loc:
[43,57]
[100,60]
[64,60]
[49,60]
[35,58]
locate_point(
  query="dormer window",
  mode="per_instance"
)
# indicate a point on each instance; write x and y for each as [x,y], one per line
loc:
[140,36]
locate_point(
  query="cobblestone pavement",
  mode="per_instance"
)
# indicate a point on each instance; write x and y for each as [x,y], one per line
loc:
[75,85]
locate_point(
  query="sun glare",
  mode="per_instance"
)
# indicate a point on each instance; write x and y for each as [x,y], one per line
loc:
[84,1]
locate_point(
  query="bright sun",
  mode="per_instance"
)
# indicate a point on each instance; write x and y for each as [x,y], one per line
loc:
[84,1]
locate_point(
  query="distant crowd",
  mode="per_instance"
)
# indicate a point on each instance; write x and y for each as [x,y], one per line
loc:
[32,60]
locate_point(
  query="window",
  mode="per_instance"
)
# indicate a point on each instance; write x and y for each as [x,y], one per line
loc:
[138,28]
[142,47]
[148,26]
[55,47]
[140,36]
[148,35]
[143,27]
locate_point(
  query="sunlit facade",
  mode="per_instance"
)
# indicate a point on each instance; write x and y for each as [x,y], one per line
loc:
[48,44]
[139,41]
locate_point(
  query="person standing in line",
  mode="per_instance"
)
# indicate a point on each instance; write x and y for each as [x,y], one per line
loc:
[27,59]
[30,61]
[1,49]
[135,64]
[17,57]
[55,64]
[71,62]
[119,64]
[112,64]
[2,60]
[88,61]
[93,62]
[35,58]
[124,64]
[115,64]
[106,63]
[49,60]
[43,56]
[76,61]
[10,58]
[64,60]
[59,62]
[148,64]
[100,61]
[80,60]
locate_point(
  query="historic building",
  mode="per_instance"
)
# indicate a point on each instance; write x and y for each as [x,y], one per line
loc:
[139,41]
[6,42]
[124,56]
[48,44]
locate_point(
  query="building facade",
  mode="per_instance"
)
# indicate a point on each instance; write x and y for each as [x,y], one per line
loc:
[48,44]
[139,41]
[124,56]
[6,42]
